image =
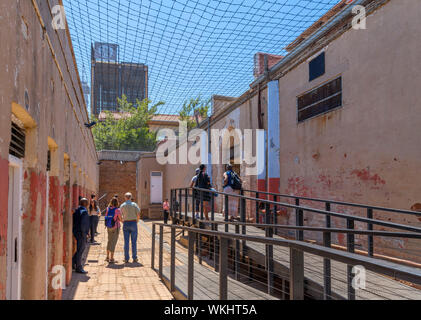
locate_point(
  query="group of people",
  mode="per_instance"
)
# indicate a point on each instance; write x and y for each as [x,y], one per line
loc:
[85,222]
[86,216]
[231,184]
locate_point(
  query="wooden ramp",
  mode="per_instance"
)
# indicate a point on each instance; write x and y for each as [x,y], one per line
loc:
[378,287]
[206,280]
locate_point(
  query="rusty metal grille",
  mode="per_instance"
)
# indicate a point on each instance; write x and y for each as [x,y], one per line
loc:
[17,142]
[320,100]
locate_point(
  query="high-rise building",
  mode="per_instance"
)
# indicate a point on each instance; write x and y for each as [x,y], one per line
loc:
[111,79]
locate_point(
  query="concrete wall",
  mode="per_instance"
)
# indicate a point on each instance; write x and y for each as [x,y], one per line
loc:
[367,151]
[39,84]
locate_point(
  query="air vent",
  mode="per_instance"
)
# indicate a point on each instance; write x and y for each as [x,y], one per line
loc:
[17,143]
[320,100]
[156,174]
[49,161]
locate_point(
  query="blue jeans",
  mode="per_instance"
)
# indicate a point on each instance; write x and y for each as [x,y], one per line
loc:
[130,233]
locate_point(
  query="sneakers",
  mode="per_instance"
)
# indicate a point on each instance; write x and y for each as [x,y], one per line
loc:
[135,260]
[126,261]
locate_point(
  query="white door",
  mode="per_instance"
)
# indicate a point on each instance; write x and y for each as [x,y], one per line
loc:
[14,226]
[156,187]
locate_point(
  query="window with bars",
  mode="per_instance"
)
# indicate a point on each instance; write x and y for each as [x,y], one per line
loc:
[320,100]
[17,142]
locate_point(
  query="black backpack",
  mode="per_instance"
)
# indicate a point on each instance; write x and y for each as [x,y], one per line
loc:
[235,181]
[202,181]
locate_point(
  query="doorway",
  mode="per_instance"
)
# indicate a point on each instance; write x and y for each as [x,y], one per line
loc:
[14,229]
[156,187]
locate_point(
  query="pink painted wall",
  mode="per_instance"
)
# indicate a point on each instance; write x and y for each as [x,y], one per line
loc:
[368,150]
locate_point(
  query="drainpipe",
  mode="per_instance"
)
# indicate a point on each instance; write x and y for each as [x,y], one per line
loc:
[209,150]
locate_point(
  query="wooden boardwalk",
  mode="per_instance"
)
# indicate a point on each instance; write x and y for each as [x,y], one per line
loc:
[206,280]
[378,287]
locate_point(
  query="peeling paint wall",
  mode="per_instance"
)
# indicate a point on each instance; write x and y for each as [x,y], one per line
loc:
[367,151]
[39,84]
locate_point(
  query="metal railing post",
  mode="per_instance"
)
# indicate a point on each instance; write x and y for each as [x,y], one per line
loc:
[370,243]
[296,274]
[201,204]
[243,219]
[190,266]
[186,205]
[193,205]
[226,212]
[161,248]
[212,208]
[172,205]
[351,248]
[327,239]
[223,269]
[172,276]
[237,253]
[299,221]
[269,251]
[180,204]
[275,213]
[257,208]
[216,250]
[153,247]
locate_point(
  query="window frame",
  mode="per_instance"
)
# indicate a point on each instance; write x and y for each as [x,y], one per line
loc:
[317,102]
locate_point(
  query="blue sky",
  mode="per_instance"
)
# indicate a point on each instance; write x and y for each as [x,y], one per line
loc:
[191,47]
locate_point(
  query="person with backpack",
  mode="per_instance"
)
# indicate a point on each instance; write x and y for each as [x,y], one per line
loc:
[232,184]
[112,223]
[203,182]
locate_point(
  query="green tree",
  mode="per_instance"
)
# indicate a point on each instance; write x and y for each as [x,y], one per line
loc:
[190,107]
[130,132]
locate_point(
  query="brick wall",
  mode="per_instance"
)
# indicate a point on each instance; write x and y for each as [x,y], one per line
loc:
[117,178]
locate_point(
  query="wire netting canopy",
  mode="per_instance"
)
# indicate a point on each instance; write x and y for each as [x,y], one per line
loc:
[191,47]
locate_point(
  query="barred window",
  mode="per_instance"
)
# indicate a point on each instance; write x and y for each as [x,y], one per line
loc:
[320,100]
[17,142]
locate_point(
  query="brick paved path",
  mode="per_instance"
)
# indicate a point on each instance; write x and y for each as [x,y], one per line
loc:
[118,281]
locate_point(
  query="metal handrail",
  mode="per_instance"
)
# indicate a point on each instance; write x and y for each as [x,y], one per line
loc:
[351,204]
[332,230]
[297,250]
[309,209]
[180,203]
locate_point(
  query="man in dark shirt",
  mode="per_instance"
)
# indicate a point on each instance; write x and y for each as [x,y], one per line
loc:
[81,224]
